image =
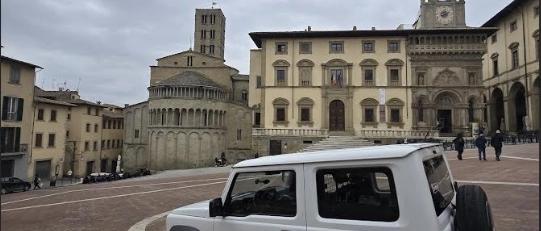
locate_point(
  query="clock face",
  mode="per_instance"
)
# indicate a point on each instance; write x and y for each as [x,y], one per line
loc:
[444,14]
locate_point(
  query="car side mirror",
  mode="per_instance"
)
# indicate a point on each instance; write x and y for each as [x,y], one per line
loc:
[216,207]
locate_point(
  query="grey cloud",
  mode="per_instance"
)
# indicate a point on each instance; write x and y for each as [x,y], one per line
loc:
[110,45]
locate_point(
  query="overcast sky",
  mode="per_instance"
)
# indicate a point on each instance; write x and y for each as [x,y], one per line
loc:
[110,44]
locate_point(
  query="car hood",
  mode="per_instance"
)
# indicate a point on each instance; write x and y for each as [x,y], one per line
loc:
[200,209]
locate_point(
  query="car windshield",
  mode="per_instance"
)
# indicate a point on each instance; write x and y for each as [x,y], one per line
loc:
[439,181]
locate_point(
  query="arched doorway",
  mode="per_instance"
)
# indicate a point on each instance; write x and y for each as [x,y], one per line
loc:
[336,116]
[445,112]
[517,107]
[497,110]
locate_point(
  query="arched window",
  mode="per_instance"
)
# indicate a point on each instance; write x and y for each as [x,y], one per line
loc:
[244,95]
[470,111]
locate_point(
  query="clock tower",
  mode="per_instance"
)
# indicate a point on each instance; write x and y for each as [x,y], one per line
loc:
[441,14]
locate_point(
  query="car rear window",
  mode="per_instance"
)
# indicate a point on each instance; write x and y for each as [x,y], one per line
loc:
[439,181]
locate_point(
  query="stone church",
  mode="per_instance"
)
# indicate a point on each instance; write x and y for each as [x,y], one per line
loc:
[197,107]
[380,85]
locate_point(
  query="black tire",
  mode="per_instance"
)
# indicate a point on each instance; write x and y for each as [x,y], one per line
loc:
[26,188]
[4,191]
[473,211]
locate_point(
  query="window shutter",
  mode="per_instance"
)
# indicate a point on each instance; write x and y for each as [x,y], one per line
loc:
[5,108]
[17,138]
[20,109]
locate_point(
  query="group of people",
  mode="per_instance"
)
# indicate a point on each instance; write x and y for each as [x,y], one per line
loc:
[496,142]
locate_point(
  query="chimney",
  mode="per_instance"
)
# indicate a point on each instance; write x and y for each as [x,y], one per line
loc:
[354,27]
[126,105]
[309,28]
[60,89]
[373,28]
[98,102]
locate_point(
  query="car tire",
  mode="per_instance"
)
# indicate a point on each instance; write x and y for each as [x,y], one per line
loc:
[473,211]
[26,188]
[4,191]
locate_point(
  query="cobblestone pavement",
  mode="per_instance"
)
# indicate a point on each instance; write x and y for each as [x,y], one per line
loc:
[119,205]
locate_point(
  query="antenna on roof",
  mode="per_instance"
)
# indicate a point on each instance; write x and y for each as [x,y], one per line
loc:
[79,83]
[52,85]
[42,82]
[190,42]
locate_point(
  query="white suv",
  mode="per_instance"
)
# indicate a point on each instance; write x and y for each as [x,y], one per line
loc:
[405,187]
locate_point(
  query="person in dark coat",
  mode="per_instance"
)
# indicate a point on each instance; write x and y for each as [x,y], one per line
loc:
[37,181]
[497,143]
[459,145]
[481,144]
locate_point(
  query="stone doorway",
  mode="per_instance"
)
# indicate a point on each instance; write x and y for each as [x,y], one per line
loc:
[336,116]
[445,119]
[275,147]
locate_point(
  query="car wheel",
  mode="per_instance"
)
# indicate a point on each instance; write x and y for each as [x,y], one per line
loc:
[26,188]
[473,211]
[4,191]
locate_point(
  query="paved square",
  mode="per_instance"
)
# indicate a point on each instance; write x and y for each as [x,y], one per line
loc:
[512,186]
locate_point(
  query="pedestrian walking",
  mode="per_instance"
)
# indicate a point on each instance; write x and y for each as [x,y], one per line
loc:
[497,142]
[481,144]
[459,145]
[37,182]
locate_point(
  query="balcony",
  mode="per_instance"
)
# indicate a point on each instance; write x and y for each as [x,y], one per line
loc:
[396,134]
[290,132]
[478,48]
[14,150]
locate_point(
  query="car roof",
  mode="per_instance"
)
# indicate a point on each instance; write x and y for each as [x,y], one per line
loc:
[360,153]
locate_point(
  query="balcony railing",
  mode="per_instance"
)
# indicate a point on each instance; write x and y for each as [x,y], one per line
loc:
[396,134]
[22,149]
[290,132]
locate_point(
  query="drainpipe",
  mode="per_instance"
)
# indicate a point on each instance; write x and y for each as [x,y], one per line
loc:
[525,65]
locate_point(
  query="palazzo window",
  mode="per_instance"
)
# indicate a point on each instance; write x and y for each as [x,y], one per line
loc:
[280,70]
[336,47]
[337,78]
[305,72]
[396,107]
[369,108]
[281,48]
[393,46]
[280,111]
[394,68]
[495,70]
[369,46]
[305,48]
[368,70]
[305,106]
[514,55]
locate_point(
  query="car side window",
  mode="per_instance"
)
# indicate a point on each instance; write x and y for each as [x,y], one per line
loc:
[439,181]
[366,194]
[263,193]
[16,180]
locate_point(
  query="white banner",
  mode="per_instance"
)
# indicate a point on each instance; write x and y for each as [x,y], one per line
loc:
[382,96]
